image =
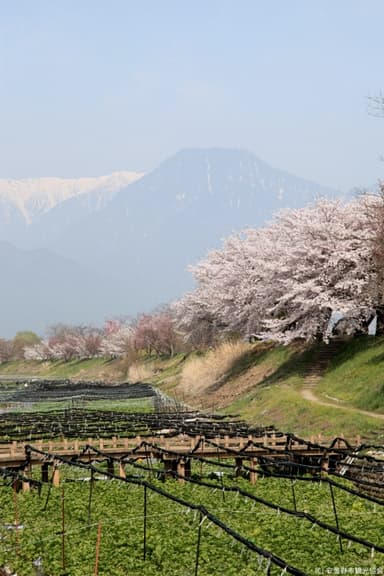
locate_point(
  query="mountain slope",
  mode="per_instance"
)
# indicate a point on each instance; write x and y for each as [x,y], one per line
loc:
[39,288]
[152,230]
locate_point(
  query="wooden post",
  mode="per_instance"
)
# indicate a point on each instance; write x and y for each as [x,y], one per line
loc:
[97,553]
[122,470]
[253,475]
[325,463]
[26,485]
[181,470]
[56,476]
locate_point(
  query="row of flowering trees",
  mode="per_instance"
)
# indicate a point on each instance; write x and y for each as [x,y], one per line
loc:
[307,272]
[289,278]
[151,333]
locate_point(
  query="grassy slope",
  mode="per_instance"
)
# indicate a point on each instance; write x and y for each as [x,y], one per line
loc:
[263,384]
[357,375]
[277,399]
[260,382]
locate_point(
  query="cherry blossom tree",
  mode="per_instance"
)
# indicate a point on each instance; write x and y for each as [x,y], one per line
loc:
[67,343]
[284,281]
[374,207]
[117,340]
[39,352]
[155,333]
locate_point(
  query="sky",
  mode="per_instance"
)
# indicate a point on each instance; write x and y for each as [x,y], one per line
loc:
[88,87]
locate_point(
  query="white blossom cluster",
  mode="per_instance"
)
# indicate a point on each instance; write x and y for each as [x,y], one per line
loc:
[285,280]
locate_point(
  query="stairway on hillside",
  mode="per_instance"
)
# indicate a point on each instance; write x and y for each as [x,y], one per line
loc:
[322,357]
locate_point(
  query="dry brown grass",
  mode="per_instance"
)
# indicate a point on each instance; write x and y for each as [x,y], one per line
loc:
[200,373]
[139,372]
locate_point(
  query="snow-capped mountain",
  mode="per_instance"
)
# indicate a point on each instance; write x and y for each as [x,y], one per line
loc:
[150,232]
[196,197]
[31,198]
[136,238]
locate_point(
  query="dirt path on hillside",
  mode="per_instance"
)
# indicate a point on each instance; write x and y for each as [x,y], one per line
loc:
[308,394]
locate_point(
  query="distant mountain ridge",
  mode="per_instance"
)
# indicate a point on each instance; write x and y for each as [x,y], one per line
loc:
[39,288]
[217,191]
[33,197]
[141,240]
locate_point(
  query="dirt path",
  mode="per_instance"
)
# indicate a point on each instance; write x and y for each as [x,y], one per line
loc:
[307,394]
[319,365]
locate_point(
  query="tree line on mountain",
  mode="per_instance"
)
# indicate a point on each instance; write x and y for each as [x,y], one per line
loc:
[309,274]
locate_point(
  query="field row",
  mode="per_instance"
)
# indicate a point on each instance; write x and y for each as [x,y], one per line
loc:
[215,523]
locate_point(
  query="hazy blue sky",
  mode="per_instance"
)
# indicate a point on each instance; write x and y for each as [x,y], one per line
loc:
[92,86]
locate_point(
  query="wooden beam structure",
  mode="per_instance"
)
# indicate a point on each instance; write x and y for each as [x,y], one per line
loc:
[174,452]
